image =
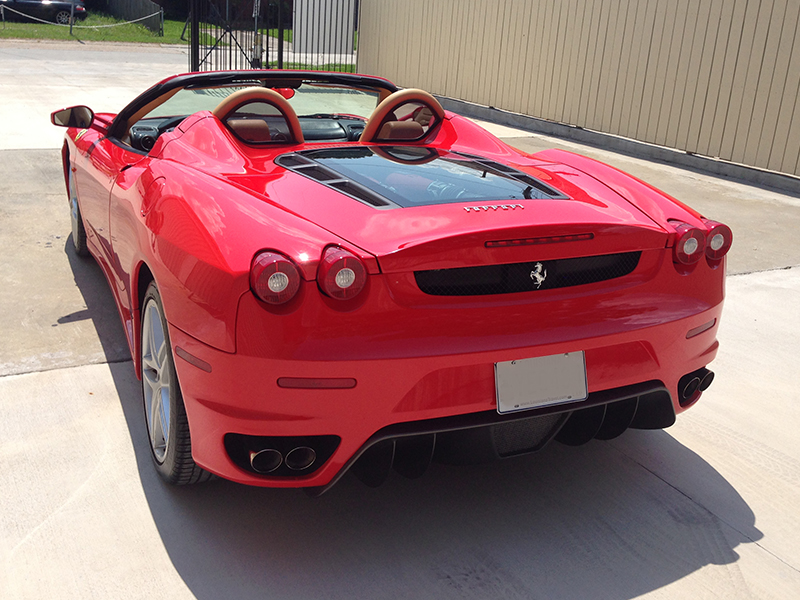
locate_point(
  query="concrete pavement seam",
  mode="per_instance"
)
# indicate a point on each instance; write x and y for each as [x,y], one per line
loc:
[64,367]
[787,268]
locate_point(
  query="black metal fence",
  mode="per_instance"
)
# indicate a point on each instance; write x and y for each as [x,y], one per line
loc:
[273,34]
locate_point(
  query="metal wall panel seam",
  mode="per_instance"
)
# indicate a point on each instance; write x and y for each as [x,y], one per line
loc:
[759,115]
[779,85]
[755,72]
[738,80]
[788,105]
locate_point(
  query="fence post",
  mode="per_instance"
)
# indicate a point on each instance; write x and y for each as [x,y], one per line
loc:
[161,24]
[71,15]
[280,34]
[255,58]
[194,42]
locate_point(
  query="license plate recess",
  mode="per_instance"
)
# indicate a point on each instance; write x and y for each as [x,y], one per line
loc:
[543,381]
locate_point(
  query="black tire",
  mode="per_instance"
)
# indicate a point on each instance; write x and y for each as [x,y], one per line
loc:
[78,229]
[171,450]
[62,17]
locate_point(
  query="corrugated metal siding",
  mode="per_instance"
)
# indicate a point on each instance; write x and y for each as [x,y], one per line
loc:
[714,77]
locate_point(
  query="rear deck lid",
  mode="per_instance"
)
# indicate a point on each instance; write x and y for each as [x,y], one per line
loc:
[419,208]
[389,177]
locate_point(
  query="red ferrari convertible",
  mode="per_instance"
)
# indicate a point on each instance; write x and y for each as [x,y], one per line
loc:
[319,272]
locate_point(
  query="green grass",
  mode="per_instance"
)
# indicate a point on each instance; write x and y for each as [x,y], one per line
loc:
[336,67]
[288,37]
[287,34]
[90,30]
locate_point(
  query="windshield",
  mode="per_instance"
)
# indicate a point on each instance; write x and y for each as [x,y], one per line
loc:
[308,99]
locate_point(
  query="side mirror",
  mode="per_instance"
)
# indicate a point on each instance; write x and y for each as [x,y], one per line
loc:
[76,116]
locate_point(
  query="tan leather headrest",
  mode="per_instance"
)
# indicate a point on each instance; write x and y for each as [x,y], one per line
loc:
[400,130]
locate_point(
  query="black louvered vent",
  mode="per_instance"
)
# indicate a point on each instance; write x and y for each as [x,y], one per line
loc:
[526,277]
[313,170]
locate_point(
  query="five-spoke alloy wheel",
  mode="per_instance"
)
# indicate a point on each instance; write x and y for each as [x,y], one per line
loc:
[165,415]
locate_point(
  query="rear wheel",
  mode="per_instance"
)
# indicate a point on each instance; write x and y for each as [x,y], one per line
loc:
[62,17]
[164,412]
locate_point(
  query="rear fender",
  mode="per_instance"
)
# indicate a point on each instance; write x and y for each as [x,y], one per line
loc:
[202,234]
[656,204]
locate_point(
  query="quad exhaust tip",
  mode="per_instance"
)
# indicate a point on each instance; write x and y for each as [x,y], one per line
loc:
[706,380]
[692,384]
[690,388]
[300,458]
[270,460]
[265,461]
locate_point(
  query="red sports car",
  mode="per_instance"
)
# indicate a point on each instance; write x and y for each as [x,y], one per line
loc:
[318,273]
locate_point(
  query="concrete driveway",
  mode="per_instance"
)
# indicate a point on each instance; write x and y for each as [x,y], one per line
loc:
[705,509]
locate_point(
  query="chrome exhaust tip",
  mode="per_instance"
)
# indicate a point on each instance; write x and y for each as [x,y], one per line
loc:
[706,380]
[265,461]
[690,388]
[300,458]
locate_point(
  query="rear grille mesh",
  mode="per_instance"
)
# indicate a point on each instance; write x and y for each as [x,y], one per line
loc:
[526,277]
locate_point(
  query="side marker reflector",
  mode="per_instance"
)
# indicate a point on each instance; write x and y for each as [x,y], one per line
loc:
[317,383]
[698,330]
[193,360]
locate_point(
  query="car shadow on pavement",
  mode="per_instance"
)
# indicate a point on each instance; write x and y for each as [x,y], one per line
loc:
[587,522]
[100,306]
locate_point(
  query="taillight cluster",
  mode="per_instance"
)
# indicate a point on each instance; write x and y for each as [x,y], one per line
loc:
[718,240]
[341,274]
[275,279]
[693,243]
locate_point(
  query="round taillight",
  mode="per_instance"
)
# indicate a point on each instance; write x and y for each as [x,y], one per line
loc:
[341,274]
[274,278]
[718,240]
[690,244]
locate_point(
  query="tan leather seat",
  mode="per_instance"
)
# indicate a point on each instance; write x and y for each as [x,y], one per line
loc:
[384,114]
[258,94]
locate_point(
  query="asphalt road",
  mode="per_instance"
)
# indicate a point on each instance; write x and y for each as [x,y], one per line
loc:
[705,509]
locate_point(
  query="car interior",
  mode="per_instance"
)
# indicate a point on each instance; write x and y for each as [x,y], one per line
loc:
[260,115]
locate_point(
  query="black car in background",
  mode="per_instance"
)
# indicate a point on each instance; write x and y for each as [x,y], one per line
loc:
[57,11]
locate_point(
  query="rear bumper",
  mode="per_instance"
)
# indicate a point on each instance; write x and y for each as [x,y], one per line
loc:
[478,437]
[399,391]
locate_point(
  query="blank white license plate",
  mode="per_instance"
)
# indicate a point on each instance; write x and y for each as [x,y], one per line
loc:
[542,381]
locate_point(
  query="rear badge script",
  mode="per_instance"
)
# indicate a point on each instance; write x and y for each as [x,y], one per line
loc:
[489,207]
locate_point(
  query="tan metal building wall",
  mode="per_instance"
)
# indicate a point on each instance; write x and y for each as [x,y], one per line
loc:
[713,77]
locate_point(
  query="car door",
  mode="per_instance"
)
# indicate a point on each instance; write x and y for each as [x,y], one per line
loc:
[33,8]
[99,163]
[128,235]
